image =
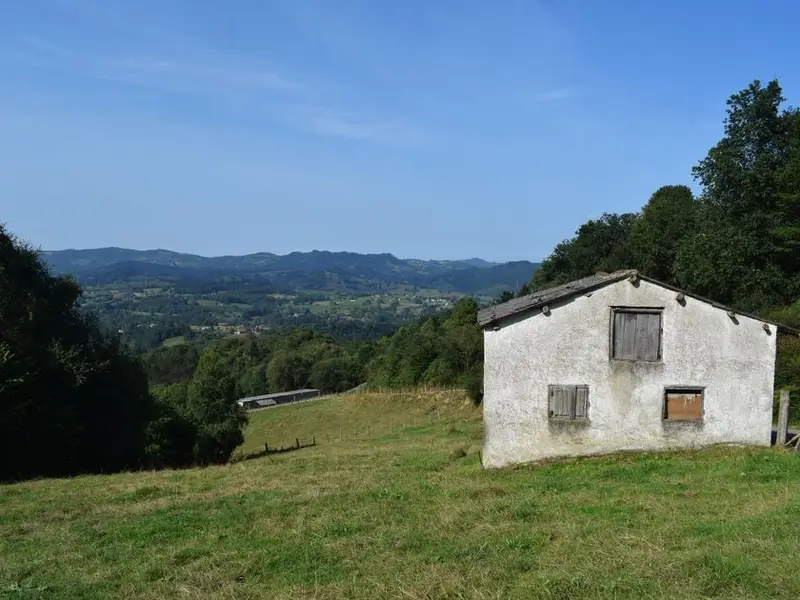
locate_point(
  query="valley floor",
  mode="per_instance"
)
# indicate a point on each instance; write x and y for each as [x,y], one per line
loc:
[392,503]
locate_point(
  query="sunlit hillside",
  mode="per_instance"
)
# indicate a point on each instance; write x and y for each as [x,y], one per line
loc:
[392,503]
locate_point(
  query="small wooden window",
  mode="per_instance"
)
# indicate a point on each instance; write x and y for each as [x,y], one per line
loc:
[568,402]
[636,334]
[683,404]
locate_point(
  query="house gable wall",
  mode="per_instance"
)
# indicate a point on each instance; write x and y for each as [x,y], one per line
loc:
[733,361]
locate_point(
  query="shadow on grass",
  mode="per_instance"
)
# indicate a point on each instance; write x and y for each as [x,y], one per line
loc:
[267,451]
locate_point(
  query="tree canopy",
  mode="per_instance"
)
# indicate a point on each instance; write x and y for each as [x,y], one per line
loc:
[738,242]
[70,400]
[444,350]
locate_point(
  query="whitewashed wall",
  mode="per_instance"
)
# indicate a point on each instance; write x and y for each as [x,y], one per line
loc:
[701,346]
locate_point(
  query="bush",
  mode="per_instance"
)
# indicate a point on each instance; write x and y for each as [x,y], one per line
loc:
[211,406]
[199,422]
[171,434]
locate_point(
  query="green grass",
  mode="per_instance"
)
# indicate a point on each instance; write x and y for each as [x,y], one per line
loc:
[207,303]
[174,341]
[360,419]
[405,511]
[320,307]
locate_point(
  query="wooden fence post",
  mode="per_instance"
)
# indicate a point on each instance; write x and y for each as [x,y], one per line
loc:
[783,419]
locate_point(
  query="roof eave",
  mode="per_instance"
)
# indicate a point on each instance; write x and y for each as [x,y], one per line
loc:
[779,326]
[495,314]
[496,311]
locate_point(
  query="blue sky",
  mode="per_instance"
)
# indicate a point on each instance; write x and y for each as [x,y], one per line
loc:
[431,129]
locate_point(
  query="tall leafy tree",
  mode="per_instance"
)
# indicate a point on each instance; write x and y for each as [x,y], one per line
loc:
[598,245]
[211,406]
[668,218]
[442,350]
[172,433]
[745,252]
[70,400]
[335,374]
[740,173]
[288,370]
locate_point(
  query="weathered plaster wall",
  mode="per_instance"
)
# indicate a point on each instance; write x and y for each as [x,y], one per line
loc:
[701,346]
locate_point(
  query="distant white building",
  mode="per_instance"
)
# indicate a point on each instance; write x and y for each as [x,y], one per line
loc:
[622,362]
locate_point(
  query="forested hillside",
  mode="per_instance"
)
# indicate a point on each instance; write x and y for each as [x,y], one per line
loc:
[153,297]
[442,350]
[318,270]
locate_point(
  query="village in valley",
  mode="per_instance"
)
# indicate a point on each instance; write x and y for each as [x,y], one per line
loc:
[584,383]
[213,315]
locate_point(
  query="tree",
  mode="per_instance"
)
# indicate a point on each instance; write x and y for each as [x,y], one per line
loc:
[725,263]
[336,374]
[286,371]
[172,364]
[667,219]
[171,434]
[70,400]
[211,406]
[254,380]
[739,174]
[598,245]
[442,350]
[747,252]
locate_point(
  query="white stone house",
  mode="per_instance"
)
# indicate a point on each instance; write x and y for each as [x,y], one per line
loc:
[622,362]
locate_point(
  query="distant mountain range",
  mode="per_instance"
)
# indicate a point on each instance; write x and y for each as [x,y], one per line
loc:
[316,270]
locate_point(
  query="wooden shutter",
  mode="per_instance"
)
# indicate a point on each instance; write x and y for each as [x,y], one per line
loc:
[560,400]
[624,332]
[648,334]
[581,402]
[636,335]
[568,401]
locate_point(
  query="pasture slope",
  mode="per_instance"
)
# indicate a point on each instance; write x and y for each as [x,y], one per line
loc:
[393,503]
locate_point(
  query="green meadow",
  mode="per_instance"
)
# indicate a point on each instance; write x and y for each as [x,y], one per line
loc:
[392,502]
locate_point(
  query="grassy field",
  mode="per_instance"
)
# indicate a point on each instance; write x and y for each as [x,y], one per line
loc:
[399,507]
[174,341]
